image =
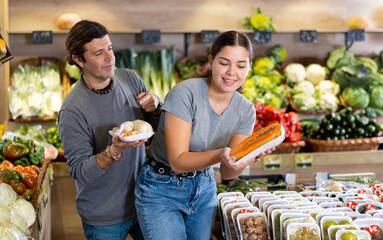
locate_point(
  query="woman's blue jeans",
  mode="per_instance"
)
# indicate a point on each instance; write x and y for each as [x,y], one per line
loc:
[115,231]
[171,207]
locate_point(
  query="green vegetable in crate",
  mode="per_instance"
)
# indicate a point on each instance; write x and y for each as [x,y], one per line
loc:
[13,150]
[238,183]
[243,189]
[356,97]
[54,137]
[334,56]
[37,157]
[23,161]
[376,97]
[15,175]
[263,65]
[259,183]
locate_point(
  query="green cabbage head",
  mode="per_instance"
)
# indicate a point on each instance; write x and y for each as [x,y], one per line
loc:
[356,97]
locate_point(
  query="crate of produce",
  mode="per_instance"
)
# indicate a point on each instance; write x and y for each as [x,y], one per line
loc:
[37,88]
[357,144]
[192,67]
[312,90]
[289,147]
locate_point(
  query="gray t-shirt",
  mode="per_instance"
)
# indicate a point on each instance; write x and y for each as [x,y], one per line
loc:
[104,197]
[189,101]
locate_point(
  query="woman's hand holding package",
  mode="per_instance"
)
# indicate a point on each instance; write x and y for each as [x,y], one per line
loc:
[228,161]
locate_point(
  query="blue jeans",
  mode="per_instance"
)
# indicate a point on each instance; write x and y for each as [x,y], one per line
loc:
[115,231]
[170,207]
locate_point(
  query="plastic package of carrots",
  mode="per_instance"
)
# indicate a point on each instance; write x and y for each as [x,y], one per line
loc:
[260,141]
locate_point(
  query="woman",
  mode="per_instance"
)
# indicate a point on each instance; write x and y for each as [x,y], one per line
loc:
[202,118]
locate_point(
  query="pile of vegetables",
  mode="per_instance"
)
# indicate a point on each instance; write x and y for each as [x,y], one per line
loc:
[259,22]
[310,89]
[240,185]
[16,214]
[290,121]
[38,133]
[345,124]
[20,162]
[36,91]
[264,82]
[360,80]
[193,68]
[156,68]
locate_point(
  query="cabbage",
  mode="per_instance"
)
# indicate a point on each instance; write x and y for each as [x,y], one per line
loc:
[295,72]
[305,87]
[7,195]
[5,214]
[376,97]
[315,73]
[11,233]
[356,97]
[26,209]
[18,220]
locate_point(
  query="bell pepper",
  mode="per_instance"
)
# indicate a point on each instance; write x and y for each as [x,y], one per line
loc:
[284,119]
[13,151]
[271,112]
[294,118]
[23,161]
[37,157]
[295,137]
[27,142]
[259,107]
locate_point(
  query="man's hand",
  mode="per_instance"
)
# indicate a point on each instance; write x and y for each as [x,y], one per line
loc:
[148,101]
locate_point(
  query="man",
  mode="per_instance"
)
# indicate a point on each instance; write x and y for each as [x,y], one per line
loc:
[105,168]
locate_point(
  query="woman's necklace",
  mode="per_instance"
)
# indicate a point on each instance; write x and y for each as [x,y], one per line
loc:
[105,90]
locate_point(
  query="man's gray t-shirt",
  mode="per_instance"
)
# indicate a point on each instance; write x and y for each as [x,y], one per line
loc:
[189,101]
[104,197]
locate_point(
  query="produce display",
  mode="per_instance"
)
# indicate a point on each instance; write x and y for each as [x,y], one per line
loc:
[193,68]
[360,80]
[305,215]
[156,68]
[310,88]
[243,186]
[20,164]
[264,82]
[16,214]
[345,124]
[36,91]
[290,121]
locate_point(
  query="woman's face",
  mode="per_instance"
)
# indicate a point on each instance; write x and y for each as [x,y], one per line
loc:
[229,68]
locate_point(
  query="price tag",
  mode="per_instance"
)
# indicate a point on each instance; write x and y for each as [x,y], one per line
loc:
[355,35]
[42,37]
[272,162]
[304,161]
[262,36]
[151,36]
[308,36]
[209,36]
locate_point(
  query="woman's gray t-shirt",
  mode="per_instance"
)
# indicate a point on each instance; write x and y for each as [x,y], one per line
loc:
[189,101]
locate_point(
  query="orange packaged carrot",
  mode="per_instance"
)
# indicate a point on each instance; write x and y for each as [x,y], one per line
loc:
[260,141]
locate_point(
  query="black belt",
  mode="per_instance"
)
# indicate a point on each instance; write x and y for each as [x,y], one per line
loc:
[165,170]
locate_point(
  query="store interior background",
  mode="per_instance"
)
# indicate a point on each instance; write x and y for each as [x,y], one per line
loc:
[176,19]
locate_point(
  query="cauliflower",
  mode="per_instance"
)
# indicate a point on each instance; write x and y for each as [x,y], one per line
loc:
[305,101]
[328,101]
[295,72]
[315,73]
[327,86]
[306,87]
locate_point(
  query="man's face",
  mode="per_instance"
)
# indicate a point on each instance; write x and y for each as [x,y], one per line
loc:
[99,59]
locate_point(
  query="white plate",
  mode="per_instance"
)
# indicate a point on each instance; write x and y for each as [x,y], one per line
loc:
[135,137]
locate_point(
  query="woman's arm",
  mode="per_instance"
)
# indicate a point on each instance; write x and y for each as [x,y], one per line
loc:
[177,139]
